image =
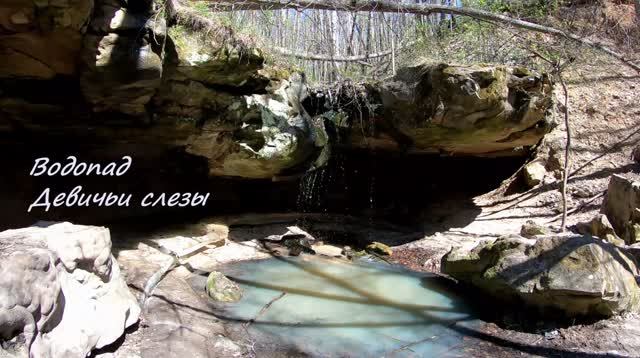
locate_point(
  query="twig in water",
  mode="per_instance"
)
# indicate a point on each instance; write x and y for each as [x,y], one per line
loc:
[406,346]
[264,309]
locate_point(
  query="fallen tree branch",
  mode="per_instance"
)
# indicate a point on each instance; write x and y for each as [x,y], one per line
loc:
[410,344]
[578,208]
[155,279]
[174,262]
[417,9]
[323,57]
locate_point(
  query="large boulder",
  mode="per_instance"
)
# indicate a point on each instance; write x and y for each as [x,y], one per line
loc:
[622,206]
[256,122]
[576,275]
[61,288]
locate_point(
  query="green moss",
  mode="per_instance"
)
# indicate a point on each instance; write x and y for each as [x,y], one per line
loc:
[202,60]
[221,289]
[275,72]
[581,259]
[496,91]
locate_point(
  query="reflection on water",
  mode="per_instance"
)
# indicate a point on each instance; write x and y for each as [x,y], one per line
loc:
[338,309]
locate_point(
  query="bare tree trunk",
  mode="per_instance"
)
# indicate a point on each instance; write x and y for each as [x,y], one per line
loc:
[393,54]
[367,40]
[567,152]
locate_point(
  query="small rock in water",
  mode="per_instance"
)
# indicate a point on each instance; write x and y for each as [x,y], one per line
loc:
[351,253]
[379,249]
[551,334]
[328,250]
[297,244]
[221,289]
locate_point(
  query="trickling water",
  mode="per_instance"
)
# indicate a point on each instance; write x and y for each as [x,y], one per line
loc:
[314,186]
[311,185]
[334,308]
[372,193]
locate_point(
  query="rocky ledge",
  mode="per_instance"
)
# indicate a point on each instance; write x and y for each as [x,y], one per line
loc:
[122,76]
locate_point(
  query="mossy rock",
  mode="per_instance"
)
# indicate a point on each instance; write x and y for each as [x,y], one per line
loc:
[472,110]
[531,229]
[222,289]
[378,248]
[575,275]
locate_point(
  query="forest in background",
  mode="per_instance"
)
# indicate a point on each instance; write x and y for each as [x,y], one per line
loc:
[331,44]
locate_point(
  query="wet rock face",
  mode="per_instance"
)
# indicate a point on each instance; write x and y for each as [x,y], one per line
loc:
[41,39]
[61,288]
[122,58]
[260,136]
[574,275]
